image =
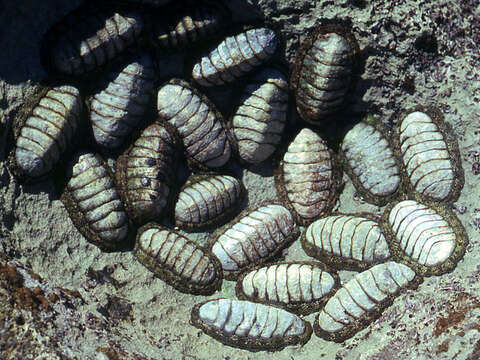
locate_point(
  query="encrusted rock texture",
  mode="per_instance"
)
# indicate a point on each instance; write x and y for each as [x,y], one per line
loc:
[62,298]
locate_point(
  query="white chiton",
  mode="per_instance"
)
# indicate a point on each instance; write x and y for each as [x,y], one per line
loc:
[178,261]
[258,122]
[121,105]
[308,177]
[253,237]
[300,287]
[93,203]
[362,299]
[352,242]
[235,56]
[249,325]
[198,123]
[44,133]
[207,200]
[145,174]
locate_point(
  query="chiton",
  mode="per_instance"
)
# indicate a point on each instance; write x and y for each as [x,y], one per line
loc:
[249,325]
[253,238]
[198,123]
[362,300]
[346,242]
[177,261]
[300,287]
[259,121]
[428,238]
[235,56]
[308,177]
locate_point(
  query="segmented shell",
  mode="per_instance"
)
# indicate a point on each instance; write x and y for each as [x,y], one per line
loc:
[258,123]
[177,261]
[198,123]
[248,325]
[308,177]
[122,104]
[235,56]
[361,300]
[253,238]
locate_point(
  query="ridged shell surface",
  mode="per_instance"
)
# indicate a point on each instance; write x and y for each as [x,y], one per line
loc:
[250,325]
[259,121]
[234,57]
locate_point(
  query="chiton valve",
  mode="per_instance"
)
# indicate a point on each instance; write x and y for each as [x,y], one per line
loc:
[300,287]
[120,107]
[207,200]
[145,174]
[362,300]
[93,203]
[177,261]
[258,123]
[308,177]
[252,238]
[429,239]
[249,325]
[198,123]
[352,242]
[234,57]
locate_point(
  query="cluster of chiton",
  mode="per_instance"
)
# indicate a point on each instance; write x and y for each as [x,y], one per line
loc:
[104,62]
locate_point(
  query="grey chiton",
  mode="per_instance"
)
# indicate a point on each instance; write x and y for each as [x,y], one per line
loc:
[300,287]
[177,261]
[93,202]
[259,121]
[362,300]
[428,238]
[235,56]
[350,242]
[308,177]
[207,200]
[44,130]
[325,70]
[121,106]
[145,174]
[253,238]
[198,123]
[249,325]
[371,163]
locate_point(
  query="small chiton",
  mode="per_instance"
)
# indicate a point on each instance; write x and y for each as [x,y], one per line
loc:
[207,200]
[198,123]
[145,174]
[428,151]
[93,203]
[258,123]
[235,56]
[249,325]
[371,163]
[362,300]
[177,261]
[308,177]
[346,242]
[300,287]
[324,72]
[428,238]
[253,238]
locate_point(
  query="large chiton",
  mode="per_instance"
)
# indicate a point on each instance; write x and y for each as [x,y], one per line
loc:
[362,299]
[308,177]
[178,261]
[253,238]
[249,325]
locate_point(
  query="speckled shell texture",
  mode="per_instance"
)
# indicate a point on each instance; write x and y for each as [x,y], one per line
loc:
[198,123]
[250,325]
[259,121]
[234,57]
[177,260]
